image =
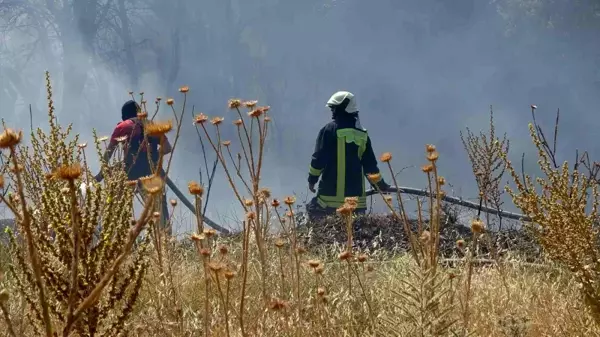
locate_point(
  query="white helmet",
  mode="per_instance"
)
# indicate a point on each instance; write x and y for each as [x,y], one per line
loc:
[339,97]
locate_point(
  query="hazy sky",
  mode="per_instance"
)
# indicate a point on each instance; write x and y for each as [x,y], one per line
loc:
[422,70]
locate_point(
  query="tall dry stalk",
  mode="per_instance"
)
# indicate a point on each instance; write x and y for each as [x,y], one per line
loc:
[98,293]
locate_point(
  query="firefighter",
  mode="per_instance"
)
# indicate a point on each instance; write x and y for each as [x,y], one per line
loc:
[342,158]
[136,162]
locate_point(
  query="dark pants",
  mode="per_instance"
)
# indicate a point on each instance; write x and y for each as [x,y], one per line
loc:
[317,212]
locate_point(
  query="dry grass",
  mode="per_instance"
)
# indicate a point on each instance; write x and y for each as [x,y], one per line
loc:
[135,280]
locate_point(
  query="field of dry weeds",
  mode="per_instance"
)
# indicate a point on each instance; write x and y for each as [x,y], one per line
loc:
[87,264]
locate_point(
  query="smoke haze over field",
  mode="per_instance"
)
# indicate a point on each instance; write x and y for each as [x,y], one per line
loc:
[422,70]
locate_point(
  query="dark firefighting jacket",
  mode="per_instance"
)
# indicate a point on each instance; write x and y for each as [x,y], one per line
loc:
[343,156]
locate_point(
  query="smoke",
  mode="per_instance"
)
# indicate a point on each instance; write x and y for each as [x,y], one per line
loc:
[422,70]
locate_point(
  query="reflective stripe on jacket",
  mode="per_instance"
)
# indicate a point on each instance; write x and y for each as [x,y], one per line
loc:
[343,156]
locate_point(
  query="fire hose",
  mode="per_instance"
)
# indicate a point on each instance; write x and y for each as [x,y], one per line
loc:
[452,200]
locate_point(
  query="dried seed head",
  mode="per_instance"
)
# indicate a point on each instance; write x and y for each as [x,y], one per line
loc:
[152,184]
[289,214]
[195,188]
[374,177]
[433,156]
[279,243]
[184,89]
[237,122]
[10,138]
[248,202]
[344,210]
[131,183]
[142,114]
[533,106]
[278,304]
[370,268]
[477,226]
[205,252]
[234,103]
[103,139]
[425,237]
[386,157]
[229,274]
[362,258]
[442,181]
[157,129]
[200,118]
[289,200]
[250,215]
[250,104]
[210,233]
[345,255]
[300,250]
[275,203]
[387,198]
[265,192]
[69,172]
[82,145]
[217,120]
[215,267]
[226,143]
[351,201]
[430,148]
[223,249]
[197,237]
[427,168]
[319,270]
[267,119]
[255,113]
[321,291]
[451,275]
[170,101]
[156,215]
[460,244]
[173,202]
[314,263]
